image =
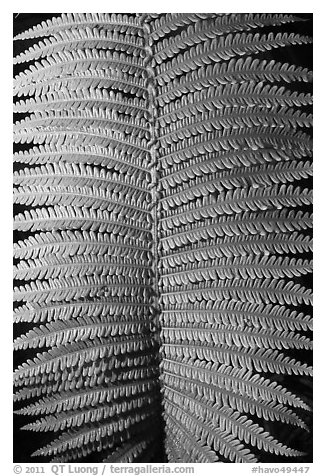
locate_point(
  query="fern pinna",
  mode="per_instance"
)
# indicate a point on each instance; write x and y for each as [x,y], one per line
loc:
[163,223]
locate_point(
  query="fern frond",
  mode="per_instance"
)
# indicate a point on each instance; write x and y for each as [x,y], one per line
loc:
[198,450]
[224,48]
[94,198]
[123,436]
[129,451]
[80,329]
[239,382]
[278,138]
[74,288]
[222,442]
[86,306]
[248,338]
[69,40]
[252,290]
[232,95]
[233,71]
[237,201]
[43,120]
[163,214]
[110,21]
[243,403]
[247,224]
[233,117]
[79,175]
[73,243]
[238,245]
[226,161]
[50,153]
[117,371]
[242,428]
[59,217]
[90,397]
[218,26]
[72,419]
[80,353]
[172,21]
[239,315]
[57,100]
[88,79]
[259,360]
[243,267]
[77,266]
[255,176]
[67,62]
[80,137]
[75,439]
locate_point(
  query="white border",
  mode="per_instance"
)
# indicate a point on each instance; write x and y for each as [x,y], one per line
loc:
[8,8]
